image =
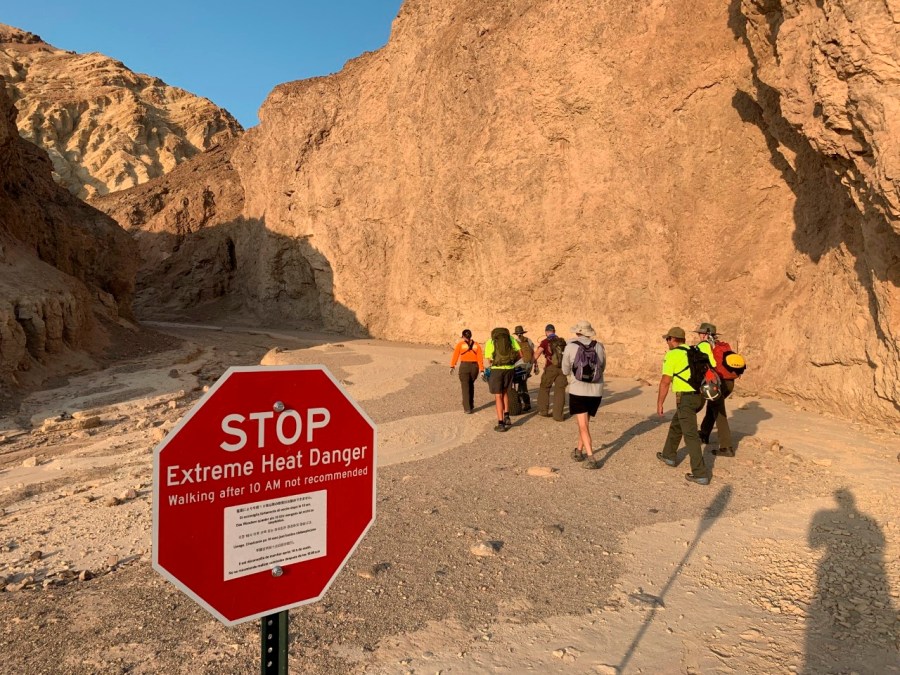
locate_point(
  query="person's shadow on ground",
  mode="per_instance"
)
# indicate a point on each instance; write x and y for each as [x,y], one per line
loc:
[617,396]
[852,625]
[743,420]
[642,427]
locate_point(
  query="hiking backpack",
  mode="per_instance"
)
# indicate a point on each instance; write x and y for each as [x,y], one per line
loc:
[729,364]
[527,350]
[702,377]
[586,365]
[504,354]
[557,347]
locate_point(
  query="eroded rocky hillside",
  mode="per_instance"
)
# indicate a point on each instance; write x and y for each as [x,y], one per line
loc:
[66,269]
[105,127]
[637,164]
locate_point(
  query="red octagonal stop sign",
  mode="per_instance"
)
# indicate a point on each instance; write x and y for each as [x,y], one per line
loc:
[263,490]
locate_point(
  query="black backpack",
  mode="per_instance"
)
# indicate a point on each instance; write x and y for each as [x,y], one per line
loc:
[698,364]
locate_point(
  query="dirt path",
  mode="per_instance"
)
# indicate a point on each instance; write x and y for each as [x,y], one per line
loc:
[787,562]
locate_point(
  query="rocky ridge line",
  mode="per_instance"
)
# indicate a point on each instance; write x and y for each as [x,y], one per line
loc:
[105,127]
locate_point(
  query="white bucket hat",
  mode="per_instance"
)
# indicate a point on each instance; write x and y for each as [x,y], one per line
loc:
[584,328]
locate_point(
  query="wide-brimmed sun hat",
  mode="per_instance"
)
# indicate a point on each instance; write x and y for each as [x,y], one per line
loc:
[520,331]
[675,332]
[584,328]
[707,328]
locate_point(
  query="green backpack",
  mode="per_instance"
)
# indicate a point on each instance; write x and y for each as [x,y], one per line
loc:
[504,354]
[557,347]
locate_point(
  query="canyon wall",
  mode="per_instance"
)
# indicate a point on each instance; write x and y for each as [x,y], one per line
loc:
[65,268]
[827,79]
[638,165]
[105,127]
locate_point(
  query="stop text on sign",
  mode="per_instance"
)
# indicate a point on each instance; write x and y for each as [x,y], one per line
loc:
[316,418]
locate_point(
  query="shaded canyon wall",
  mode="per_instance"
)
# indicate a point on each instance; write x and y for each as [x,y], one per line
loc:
[63,264]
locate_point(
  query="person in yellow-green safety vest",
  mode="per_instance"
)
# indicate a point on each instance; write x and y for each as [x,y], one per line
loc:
[500,355]
[688,402]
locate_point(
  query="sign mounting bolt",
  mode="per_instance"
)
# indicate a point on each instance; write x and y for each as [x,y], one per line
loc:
[277,571]
[279,406]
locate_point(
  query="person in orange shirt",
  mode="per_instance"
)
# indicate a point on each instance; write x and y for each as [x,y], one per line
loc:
[470,357]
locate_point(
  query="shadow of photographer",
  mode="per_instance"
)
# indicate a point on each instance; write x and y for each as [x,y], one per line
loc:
[852,625]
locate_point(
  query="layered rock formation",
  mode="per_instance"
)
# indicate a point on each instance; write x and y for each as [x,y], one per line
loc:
[105,127]
[503,162]
[62,264]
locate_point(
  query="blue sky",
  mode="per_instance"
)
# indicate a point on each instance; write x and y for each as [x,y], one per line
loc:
[233,53]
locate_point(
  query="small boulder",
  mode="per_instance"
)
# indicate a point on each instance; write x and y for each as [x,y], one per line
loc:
[486,549]
[375,570]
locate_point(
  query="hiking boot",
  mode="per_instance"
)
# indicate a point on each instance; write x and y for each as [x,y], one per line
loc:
[578,455]
[507,421]
[723,452]
[544,414]
[500,427]
[699,480]
[661,458]
[593,463]
[704,439]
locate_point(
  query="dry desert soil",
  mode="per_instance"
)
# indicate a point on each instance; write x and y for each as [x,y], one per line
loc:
[788,562]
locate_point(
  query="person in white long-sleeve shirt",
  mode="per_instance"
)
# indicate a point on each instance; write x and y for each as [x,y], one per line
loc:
[584,397]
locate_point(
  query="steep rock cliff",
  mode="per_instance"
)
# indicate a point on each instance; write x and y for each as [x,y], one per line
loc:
[189,232]
[828,83]
[504,161]
[105,127]
[62,263]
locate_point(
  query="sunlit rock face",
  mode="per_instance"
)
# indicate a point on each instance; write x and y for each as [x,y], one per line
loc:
[828,83]
[104,127]
[639,165]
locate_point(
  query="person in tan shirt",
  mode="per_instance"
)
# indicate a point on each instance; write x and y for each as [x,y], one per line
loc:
[470,357]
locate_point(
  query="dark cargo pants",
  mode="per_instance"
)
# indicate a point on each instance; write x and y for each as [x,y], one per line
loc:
[468,373]
[715,414]
[684,423]
[552,377]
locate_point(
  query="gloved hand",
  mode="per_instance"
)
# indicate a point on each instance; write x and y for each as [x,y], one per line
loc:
[452,368]
[486,375]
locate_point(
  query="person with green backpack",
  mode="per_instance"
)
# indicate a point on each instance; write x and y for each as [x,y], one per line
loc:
[500,355]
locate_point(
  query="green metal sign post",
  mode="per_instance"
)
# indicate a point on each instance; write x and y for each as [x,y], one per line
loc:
[273,638]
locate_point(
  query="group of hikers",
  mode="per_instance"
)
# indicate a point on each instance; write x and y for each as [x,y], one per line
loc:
[699,375]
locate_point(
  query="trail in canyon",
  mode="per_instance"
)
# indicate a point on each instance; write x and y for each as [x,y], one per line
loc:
[788,561]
